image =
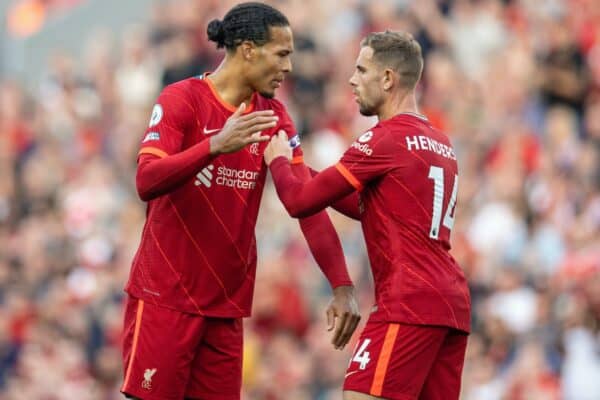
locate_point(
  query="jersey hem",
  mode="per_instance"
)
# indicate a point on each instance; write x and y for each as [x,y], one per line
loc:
[141,295]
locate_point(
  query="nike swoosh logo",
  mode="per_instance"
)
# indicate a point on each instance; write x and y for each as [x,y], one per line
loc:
[350,373]
[209,131]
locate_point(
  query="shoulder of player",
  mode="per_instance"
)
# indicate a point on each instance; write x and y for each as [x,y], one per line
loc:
[440,136]
[402,127]
[184,88]
[376,139]
[376,134]
[179,100]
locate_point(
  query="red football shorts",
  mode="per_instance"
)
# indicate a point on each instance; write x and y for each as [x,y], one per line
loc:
[173,355]
[407,362]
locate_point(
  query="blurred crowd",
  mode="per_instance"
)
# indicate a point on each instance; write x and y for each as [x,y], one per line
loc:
[515,84]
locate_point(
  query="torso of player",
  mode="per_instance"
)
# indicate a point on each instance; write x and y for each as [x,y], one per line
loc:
[226,193]
[410,177]
[198,249]
[419,190]
[230,187]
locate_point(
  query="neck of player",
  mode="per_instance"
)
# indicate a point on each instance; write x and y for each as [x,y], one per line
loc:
[401,101]
[229,83]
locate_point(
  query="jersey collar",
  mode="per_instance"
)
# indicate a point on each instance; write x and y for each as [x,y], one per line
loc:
[217,96]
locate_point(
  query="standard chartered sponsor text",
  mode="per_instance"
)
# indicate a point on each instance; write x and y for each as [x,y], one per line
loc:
[229,177]
[237,178]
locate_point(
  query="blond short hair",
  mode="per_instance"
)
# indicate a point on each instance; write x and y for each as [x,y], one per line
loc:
[398,51]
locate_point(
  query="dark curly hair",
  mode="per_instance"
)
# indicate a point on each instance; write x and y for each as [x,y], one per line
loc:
[246,21]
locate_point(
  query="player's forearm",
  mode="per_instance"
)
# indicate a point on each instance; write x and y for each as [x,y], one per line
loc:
[158,176]
[305,199]
[322,238]
[326,248]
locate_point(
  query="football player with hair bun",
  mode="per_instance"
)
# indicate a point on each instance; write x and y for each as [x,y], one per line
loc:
[202,173]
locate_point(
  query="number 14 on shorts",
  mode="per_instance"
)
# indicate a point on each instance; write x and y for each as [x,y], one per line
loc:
[362,355]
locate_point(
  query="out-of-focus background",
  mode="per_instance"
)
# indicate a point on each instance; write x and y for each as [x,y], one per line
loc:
[515,83]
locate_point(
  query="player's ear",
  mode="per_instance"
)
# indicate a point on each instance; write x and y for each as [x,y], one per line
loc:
[388,79]
[247,49]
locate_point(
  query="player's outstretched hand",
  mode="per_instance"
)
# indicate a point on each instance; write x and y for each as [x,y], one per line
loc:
[342,315]
[240,130]
[278,146]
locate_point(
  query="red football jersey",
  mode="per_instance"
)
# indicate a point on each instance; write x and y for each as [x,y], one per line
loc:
[407,175]
[198,249]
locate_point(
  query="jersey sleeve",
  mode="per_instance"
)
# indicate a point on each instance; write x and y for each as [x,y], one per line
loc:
[369,157]
[172,116]
[286,124]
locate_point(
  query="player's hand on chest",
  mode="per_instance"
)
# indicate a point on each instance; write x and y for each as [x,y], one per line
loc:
[216,123]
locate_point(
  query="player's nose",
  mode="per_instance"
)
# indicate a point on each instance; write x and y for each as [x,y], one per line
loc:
[287,66]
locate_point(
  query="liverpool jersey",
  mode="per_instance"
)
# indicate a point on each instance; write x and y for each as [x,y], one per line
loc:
[198,249]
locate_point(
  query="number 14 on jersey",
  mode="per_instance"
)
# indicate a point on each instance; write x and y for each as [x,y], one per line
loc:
[437,174]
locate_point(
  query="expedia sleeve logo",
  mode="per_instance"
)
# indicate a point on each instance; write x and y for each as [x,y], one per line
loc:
[361,143]
[294,141]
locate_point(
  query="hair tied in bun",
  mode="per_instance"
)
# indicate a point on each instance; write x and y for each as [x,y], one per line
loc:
[215,32]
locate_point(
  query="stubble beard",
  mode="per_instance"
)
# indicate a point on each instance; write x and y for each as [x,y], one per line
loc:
[366,110]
